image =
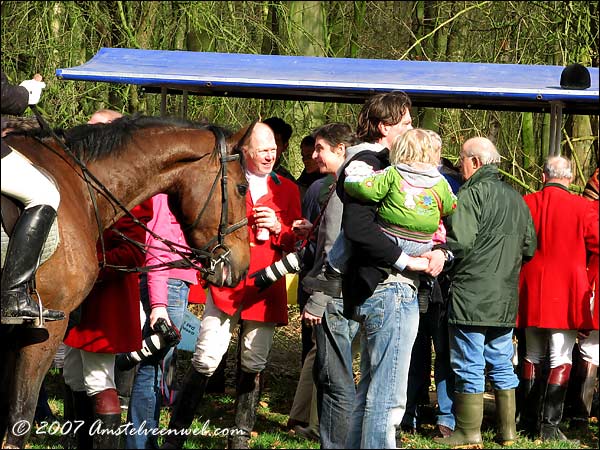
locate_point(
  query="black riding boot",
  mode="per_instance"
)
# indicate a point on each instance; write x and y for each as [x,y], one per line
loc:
[83,409]
[583,382]
[188,399]
[107,409]
[553,403]
[246,402]
[530,398]
[22,258]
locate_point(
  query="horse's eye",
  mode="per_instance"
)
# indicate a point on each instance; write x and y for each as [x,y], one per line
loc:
[242,189]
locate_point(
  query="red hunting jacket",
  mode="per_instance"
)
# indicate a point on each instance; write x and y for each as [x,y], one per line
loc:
[555,290]
[110,315]
[270,305]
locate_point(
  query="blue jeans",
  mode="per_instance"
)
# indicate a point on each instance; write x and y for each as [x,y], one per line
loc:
[341,251]
[333,374]
[389,323]
[471,348]
[433,326]
[146,394]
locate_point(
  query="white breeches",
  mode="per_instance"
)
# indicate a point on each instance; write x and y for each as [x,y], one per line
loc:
[89,372]
[21,180]
[214,336]
[559,343]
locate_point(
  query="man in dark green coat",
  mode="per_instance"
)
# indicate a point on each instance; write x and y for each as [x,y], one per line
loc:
[490,234]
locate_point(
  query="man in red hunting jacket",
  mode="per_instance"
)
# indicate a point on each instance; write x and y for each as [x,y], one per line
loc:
[555,294]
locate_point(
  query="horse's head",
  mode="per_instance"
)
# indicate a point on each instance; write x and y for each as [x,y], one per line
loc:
[136,157]
[212,203]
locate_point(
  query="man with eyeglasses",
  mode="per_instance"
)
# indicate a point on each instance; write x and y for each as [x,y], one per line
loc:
[490,234]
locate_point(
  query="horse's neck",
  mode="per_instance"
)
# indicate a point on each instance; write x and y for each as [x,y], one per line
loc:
[133,181]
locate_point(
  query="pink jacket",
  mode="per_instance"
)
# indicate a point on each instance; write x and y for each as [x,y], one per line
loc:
[165,225]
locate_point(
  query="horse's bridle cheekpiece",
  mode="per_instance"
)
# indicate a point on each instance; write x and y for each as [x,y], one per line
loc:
[220,252]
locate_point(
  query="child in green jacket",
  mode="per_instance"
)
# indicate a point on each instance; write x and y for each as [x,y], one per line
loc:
[413,197]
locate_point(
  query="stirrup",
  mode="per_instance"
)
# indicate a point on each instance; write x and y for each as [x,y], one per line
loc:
[28,322]
[39,322]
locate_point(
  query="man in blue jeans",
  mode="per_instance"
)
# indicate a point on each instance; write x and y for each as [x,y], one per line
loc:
[164,294]
[490,234]
[384,305]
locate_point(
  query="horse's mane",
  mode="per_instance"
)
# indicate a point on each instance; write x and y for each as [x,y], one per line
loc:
[93,142]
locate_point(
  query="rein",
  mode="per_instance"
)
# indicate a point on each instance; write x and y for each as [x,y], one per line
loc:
[207,258]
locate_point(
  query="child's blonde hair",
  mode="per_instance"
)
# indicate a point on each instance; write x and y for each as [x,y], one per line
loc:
[416,145]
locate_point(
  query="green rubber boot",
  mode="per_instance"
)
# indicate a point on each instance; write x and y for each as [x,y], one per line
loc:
[469,415]
[506,412]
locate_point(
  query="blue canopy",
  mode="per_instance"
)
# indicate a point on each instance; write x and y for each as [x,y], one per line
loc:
[508,87]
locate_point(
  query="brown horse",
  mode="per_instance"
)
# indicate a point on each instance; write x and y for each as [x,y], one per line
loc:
[134,158]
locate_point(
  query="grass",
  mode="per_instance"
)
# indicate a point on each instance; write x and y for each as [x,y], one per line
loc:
[217,410]
[216,413]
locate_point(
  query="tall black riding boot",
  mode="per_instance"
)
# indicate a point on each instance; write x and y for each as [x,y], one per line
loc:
[83,408]
[246,402]
[107,409]
[553,403]
[530,398]
[22,259]
[583,381]
[188,399]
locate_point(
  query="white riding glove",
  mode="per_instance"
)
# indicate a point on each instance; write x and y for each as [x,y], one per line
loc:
[35,90]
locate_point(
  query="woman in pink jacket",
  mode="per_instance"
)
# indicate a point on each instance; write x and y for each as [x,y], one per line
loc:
[164,294]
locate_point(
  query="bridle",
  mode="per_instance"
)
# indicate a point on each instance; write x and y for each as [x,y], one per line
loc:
[220,252]
[206,259]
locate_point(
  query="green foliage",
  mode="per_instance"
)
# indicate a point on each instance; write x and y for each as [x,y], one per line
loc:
[41,36]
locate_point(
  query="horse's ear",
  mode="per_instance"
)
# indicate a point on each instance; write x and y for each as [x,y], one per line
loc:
[236,141]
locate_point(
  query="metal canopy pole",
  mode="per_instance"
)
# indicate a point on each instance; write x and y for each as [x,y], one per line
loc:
[555,128]
[163,101]
[184,105]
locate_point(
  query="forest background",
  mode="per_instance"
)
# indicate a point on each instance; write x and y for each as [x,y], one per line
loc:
[41,36]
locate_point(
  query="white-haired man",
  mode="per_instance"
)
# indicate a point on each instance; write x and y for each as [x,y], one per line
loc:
[555,294]
[490,233]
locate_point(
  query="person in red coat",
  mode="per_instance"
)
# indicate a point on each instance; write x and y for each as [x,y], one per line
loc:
[109,324]
[578,404]
[555,293]
[272,203]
